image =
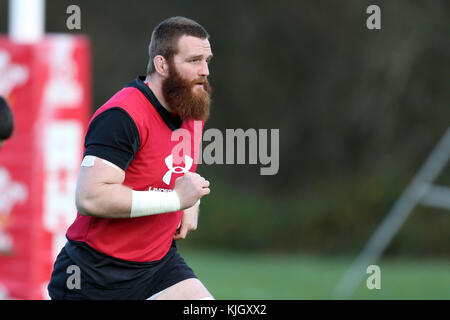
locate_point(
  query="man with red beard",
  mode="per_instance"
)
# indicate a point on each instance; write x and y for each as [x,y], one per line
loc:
[134,198]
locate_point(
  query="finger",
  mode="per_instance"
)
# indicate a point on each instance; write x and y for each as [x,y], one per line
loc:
[205,191]
[182,233]
[177,235]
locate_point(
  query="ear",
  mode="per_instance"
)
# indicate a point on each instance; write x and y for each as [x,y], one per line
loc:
[161,66]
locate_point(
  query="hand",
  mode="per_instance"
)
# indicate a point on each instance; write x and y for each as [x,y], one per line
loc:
[188,222]
[190,188]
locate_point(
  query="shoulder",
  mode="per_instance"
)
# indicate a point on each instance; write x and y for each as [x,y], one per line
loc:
[129,99]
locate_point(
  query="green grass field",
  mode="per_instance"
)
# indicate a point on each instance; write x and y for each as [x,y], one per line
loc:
[230,275]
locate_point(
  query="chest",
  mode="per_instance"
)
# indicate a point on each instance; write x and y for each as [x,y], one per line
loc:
[164,156]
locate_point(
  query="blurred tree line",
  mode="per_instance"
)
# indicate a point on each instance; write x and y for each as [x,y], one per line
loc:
[358,111]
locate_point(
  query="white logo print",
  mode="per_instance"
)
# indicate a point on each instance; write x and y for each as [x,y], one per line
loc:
[12,74]
[63,90]
[188,161]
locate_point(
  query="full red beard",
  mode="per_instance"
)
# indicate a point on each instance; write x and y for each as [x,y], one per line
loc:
[183,100]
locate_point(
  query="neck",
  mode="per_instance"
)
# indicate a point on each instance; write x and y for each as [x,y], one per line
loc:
[155,84]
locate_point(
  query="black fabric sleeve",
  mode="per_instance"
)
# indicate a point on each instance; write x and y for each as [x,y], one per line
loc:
[113,136]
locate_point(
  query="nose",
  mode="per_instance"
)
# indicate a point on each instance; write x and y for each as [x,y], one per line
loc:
[204,70]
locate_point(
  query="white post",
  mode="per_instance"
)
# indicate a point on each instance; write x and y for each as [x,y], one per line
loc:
[26,20]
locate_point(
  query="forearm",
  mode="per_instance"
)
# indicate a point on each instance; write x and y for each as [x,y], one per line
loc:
[119,201]
[193,211]
[101,193]
[188,223]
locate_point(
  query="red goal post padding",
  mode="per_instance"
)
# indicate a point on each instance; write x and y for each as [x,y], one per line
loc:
[48,87]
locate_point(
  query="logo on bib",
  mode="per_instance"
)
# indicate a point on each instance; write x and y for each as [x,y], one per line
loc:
[188,161]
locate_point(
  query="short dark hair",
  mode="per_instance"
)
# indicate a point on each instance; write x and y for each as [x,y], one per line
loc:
[165,38]
[6,120]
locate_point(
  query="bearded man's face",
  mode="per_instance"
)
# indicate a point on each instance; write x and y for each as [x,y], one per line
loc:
[187,98]
[186,88]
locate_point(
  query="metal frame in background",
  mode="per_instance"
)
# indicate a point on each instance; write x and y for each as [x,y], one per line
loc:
[419,191]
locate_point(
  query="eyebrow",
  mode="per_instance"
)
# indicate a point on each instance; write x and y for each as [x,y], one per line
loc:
[199,56]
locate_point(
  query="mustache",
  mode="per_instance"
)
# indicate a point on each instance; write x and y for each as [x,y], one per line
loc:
[203,81]
[199,81]
[190,84]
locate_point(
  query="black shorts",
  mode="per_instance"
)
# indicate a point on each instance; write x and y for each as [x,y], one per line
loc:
[102,277]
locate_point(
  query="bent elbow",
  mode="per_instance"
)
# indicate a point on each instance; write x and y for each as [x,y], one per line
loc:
[84,205]
[81,208]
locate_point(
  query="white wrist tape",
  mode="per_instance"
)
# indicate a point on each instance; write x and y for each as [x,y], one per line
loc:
[145,203]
